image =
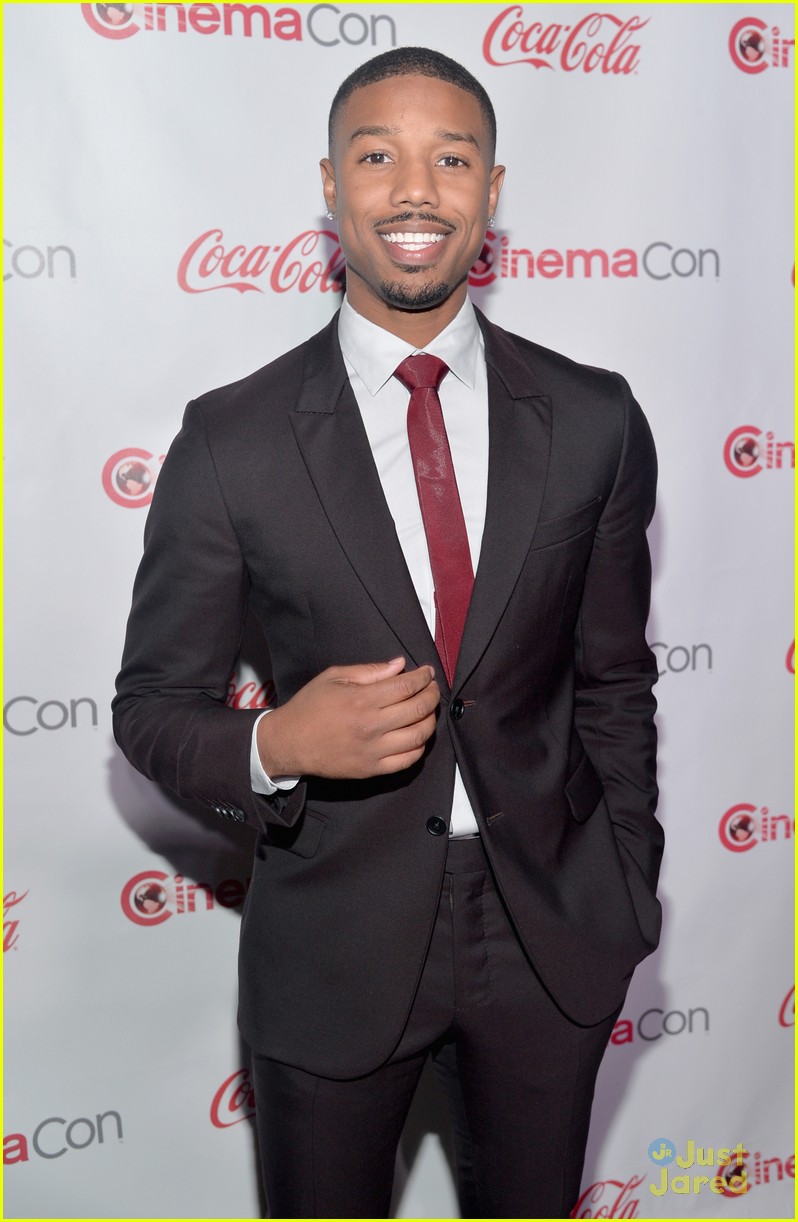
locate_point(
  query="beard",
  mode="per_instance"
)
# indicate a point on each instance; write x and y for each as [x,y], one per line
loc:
[425,297]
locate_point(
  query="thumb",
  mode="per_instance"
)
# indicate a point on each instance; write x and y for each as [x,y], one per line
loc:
[373,672]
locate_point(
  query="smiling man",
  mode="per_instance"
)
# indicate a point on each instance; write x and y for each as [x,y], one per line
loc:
[441,527]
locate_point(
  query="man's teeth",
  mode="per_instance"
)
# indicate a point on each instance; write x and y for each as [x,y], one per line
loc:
[413,239]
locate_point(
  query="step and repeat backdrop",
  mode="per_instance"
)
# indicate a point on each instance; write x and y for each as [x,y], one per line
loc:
[164,234]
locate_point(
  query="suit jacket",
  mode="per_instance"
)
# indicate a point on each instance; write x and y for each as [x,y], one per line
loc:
[269,498]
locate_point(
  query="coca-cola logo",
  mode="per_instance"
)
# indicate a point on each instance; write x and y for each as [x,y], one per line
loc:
[597,42]
[249,693]
[753,47]
[610,1199]
[743,826]
[787,1010]
[152,897]
[129,476]
[312,260]
[748,450]
[11,922]
[234,1101]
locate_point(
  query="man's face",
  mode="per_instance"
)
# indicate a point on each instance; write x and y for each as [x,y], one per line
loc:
[412,185]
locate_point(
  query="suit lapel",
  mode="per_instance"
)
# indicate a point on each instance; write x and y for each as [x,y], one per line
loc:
[519,425]
[331,436]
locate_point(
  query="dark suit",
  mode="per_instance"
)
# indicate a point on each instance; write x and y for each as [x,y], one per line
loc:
[270,497]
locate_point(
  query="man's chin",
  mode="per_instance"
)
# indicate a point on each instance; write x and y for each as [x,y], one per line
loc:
[424,297]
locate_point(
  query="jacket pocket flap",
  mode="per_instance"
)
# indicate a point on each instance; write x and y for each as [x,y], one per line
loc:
[557,530]
[583,790]
[302,838]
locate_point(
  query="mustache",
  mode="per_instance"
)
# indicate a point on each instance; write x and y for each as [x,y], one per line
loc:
[429,218]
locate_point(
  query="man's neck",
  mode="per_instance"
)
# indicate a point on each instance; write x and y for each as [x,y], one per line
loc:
[415,327]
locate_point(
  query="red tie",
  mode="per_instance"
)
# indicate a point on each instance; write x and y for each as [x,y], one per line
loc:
[447,540]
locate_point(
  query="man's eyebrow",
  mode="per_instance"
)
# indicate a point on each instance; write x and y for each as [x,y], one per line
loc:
[382,129]
[460,137]
[375,130]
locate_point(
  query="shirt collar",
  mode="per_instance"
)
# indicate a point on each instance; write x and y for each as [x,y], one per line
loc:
[374,353]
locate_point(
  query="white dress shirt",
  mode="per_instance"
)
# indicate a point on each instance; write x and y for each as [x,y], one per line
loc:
[371,356]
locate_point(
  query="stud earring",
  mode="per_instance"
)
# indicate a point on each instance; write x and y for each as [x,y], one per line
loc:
[492,222]
[330,215]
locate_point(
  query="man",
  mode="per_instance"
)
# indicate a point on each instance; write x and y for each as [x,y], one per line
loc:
[466,866]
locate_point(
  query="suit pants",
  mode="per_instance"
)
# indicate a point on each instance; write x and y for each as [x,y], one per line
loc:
[518,1074]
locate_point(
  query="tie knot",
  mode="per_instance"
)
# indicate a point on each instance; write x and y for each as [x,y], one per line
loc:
[421,370]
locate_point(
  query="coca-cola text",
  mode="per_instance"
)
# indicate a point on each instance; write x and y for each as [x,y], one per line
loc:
[598,41]
[234,1101]
[210,264]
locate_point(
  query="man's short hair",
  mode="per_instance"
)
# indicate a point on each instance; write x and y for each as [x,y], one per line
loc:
[414,61]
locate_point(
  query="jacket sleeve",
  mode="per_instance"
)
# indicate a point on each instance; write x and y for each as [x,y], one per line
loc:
[616,670]
[183,639]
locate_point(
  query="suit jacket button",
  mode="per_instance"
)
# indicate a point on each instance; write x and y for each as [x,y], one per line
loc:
[436,826]
[457,708]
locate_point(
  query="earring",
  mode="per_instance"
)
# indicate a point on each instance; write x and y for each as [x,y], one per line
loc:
[330,215]
[491,222]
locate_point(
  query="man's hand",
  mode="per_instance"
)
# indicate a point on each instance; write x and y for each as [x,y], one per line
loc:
[352,722]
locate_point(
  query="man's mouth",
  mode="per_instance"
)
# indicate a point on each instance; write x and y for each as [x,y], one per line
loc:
[414,241]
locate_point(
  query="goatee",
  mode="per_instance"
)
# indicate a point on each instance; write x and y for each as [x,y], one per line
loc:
[425,297]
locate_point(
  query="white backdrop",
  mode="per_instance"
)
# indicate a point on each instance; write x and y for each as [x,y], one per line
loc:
[165,233]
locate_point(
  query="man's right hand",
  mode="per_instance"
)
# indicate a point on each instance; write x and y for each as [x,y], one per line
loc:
[352,722]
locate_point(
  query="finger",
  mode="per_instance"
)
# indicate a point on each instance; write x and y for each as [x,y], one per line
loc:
[406,686]
[410,712]
[410,740]
[366,673]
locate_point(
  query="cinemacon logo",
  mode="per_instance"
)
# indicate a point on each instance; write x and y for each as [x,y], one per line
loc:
[313,260]
[55,1136]
[654,1023]
[754,47]
[129,475]
[24,715]
[152,897]
[787,1010]
[325,24]
[744,826]
[658,260]
[748,450]
[597,42]
[234,1101]
[32,262]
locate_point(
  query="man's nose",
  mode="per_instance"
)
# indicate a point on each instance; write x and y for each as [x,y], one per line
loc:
[415,184]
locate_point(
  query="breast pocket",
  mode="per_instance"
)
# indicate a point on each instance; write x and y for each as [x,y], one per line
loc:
[567,526]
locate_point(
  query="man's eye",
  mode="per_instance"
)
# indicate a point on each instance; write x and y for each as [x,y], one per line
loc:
[451,161]
[375,158]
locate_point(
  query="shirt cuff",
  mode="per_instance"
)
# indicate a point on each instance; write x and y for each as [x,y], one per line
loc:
[260,780]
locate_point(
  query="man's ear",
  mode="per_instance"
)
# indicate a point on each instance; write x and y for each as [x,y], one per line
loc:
[328,182]
[494,190]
